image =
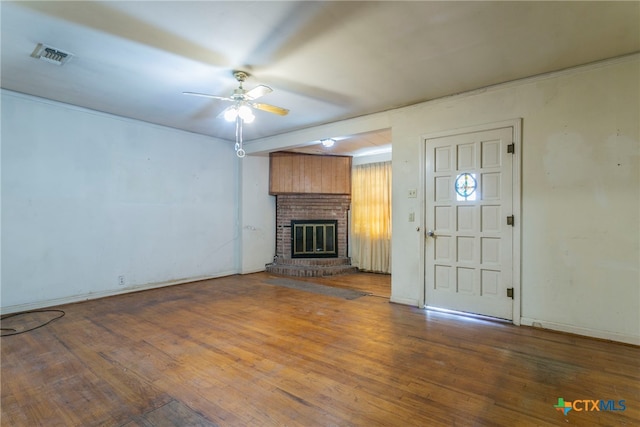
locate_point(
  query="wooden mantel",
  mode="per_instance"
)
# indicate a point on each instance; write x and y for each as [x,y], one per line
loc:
[295,173]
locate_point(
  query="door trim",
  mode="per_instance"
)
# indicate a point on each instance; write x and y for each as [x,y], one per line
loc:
[516,129]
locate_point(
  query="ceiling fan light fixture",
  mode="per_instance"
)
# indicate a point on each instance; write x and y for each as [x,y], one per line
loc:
[231,114]
[246,114]
[328,142]
[243,111]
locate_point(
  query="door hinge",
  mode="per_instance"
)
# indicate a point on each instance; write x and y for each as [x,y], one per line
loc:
[510,293]
[510,220]
[511,148]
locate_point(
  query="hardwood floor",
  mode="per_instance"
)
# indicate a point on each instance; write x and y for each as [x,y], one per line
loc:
[241,351]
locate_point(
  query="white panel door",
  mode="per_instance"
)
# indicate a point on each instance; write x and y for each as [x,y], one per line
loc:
[469,244]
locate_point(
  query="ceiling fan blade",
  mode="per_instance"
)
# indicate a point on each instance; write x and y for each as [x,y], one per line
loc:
[271,109]
[204,95]
[257,92]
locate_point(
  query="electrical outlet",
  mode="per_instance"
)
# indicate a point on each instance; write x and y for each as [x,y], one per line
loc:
[413,193]
[121,281]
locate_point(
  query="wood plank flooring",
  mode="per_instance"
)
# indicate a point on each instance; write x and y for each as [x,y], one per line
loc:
[238,351]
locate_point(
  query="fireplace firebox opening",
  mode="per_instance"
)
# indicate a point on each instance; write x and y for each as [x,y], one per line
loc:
[316,238]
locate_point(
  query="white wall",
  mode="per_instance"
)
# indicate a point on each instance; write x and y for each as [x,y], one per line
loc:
[88,197]
[580,201]
[258,215]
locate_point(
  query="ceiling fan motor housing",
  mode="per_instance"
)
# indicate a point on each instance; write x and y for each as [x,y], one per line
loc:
[240,76]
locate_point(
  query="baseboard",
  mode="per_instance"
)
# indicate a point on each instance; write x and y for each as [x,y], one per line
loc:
[106,293]
[253,270]
[593,333]
[404,301]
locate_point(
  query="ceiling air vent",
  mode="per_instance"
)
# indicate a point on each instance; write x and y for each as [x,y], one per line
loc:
[50,54]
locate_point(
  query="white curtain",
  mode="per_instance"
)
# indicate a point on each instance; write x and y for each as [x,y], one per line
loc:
[371,217]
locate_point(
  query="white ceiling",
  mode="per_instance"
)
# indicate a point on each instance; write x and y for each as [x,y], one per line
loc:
[326,61]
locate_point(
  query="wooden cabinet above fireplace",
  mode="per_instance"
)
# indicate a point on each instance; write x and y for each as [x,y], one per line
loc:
[293,173]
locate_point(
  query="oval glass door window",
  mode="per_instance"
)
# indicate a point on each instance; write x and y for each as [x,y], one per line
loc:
[466,185]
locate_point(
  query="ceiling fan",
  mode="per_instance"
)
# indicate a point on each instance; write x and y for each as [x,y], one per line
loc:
[242,97]
[243,102]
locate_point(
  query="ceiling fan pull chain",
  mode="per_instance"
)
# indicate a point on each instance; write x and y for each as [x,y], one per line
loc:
[237,133]
[239,150]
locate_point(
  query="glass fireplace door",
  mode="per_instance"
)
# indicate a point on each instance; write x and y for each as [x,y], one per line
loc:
[314,238]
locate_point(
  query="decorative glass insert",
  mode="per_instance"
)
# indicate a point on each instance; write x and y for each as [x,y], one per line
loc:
[466,185]
[314,238]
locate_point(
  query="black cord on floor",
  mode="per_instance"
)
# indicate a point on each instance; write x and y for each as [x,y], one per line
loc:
[12,331]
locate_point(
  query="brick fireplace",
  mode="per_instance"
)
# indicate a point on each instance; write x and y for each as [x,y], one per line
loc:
[312,191]
[311,209]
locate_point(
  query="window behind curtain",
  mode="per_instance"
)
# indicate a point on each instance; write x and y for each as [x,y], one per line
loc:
[371,217]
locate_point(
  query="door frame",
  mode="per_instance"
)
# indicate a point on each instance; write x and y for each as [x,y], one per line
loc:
[516,129]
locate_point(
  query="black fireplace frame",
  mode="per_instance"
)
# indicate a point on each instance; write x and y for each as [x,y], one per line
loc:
[317,224]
